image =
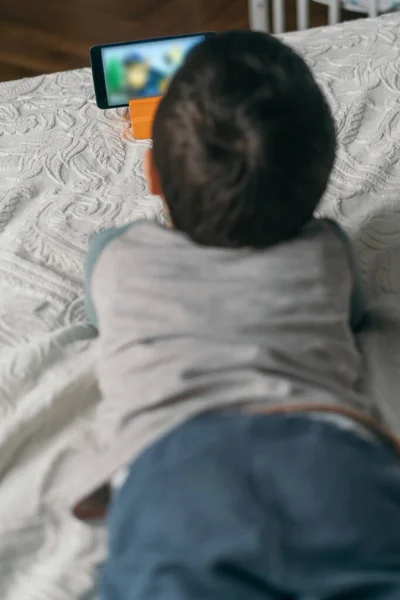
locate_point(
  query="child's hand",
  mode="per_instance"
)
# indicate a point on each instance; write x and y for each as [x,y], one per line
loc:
[94,506]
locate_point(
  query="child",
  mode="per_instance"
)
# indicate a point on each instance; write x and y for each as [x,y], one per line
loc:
[227,339]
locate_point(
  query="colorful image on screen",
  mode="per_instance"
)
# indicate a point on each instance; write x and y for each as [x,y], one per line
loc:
[143,70]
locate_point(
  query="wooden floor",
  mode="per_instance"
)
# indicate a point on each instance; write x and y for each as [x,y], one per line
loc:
[42,36]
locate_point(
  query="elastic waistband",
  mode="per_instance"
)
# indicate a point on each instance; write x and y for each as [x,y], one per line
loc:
[346,424]
[346,418]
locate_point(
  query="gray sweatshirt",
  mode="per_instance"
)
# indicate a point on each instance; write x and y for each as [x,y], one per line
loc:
[186,329]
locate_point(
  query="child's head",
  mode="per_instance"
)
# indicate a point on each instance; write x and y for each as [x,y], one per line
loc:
[243,143]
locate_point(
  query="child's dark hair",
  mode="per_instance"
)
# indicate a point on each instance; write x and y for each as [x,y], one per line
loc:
[244,142]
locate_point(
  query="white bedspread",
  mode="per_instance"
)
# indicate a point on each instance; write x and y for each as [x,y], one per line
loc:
[66,170]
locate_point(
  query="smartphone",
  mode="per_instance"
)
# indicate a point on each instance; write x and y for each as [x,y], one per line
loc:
[140,69]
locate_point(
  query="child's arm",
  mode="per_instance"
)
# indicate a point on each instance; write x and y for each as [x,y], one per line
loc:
[97,244]
[358,306]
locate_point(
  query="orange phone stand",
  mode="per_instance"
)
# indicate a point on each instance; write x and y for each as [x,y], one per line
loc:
[142,112]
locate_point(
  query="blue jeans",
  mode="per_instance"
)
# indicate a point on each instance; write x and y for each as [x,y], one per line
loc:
[233,506]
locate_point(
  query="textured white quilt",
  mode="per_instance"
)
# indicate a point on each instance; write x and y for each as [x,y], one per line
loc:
[66,170]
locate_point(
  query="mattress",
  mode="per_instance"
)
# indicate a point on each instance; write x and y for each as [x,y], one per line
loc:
[363,6]
[68,170]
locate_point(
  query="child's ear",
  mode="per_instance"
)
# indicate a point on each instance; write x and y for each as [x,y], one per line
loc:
[150,171]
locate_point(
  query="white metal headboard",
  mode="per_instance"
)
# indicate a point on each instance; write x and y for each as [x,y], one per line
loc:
[259,11]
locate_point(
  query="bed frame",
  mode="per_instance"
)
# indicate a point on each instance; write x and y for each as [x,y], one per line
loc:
[259,14]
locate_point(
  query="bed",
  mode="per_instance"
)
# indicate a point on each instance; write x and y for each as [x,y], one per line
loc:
[67,170]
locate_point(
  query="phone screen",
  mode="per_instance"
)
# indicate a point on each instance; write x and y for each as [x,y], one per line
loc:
[143,69]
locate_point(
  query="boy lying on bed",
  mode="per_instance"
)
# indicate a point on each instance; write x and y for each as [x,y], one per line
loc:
[255,472]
